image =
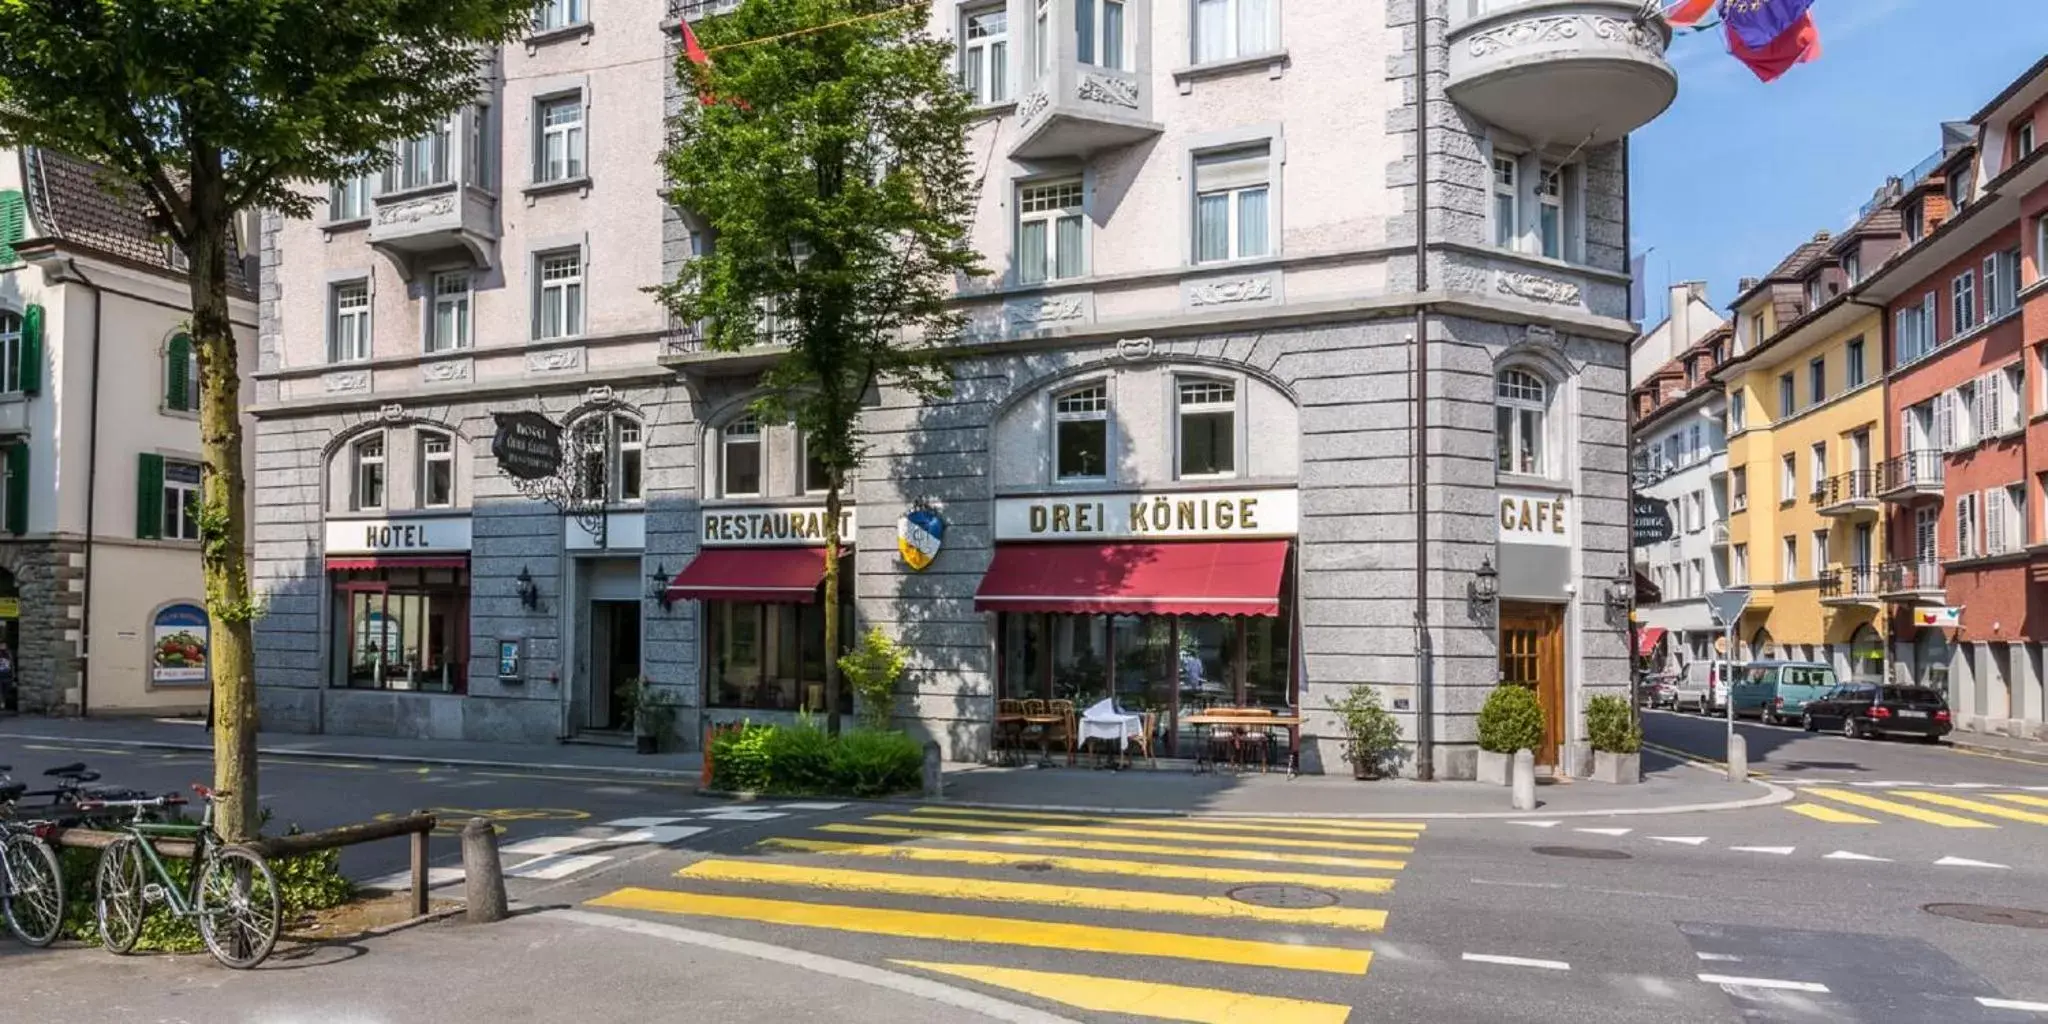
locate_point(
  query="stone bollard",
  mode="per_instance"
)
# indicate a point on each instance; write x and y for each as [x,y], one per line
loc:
[1524,774]
[1738,757]
[483,877]
[934,772]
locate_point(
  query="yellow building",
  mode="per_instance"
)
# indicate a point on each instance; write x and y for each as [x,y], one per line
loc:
[1805,440]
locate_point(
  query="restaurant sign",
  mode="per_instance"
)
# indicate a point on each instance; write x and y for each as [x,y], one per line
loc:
[1138,516]
[422,536]
[756,527]
[527,445]
[1536,518]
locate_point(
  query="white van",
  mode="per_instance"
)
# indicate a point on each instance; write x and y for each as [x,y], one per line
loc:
[1702,687]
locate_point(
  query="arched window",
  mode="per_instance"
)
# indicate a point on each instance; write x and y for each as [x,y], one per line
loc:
[1761,646]
[1866,655]
[739,459]
[1080,433]
[1522,423]
[1208,426]
[609,453]
[1931,655]
[366,465]
[10,351]
[181,374]
[437,469]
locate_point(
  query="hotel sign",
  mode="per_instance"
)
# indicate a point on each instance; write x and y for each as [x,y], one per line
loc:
[1541,519]
[1141,516]
[756,527]
[422,536]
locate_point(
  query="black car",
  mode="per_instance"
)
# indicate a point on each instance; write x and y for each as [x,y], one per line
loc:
[1867,710]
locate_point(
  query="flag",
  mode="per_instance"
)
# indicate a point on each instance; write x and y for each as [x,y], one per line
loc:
[1799,44]
[1686,12]
[694,50]
[1759,23]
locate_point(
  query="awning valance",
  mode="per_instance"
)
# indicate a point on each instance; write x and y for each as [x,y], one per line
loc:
[348,563]
[1189,578]
[789,575]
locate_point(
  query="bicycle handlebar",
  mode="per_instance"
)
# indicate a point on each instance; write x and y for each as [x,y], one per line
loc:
[167,800]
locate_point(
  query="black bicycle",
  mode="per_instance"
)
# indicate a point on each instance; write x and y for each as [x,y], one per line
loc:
[230,892]
[72,786]
[31,880]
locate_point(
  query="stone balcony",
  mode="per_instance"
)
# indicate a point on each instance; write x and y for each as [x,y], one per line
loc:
[1076,110]
[1560,72]
[424,224]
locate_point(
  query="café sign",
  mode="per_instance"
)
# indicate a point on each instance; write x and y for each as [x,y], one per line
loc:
[1537,518]
[424,535]
[1142,516]
[755,527]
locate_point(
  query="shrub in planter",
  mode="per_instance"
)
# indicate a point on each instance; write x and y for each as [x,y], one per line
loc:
[1617,740]
[1510,720]
[1371,735]
[873,762]
[739,760]
[799,758]
[873,669]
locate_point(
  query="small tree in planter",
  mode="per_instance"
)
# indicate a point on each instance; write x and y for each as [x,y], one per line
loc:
[1617,740]
[873,668]
[1510,720]
[1371,735]
[653,711]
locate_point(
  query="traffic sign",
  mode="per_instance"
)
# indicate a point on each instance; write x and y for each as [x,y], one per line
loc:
[1728,605]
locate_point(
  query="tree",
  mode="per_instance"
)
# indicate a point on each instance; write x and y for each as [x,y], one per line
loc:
[206,108]
[828,157]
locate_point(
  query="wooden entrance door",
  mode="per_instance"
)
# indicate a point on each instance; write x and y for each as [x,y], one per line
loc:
[1532,655]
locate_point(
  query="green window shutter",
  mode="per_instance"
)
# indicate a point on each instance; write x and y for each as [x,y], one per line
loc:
[149,498]
[17,488]
[31,368]
[177,375]
[13,224]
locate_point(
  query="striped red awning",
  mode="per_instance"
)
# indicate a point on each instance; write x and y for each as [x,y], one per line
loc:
[350,563]
[768,575]
[1188,578]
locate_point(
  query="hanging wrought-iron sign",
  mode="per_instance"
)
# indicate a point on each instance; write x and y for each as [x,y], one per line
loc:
[527,445]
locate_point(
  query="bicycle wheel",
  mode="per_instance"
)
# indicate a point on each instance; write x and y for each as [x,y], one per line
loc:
[117,894]
[239,911]
[34,907]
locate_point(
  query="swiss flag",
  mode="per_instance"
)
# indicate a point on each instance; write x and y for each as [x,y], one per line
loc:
[694,50]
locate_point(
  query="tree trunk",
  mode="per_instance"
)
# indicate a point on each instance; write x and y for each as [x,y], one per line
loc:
[223,527]
[832,684]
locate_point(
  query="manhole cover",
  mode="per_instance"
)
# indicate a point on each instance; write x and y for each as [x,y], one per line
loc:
[1582,853]
[1977,913]
[1282,897]
[1036,865]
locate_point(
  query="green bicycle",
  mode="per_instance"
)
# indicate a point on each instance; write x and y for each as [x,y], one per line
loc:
[232,895]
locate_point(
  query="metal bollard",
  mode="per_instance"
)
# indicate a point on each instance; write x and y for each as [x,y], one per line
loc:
[934,775]
[483,877]
[1738,757]
[1524,777]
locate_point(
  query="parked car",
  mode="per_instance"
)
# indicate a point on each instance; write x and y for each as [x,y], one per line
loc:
[1659,691]
[1702,687]
[1866,710]
[1777,691]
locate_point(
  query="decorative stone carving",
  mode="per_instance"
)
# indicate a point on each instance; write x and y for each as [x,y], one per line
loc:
[1032,106]
[1045,311]
[1134,350]
[1231,292]
[555,360]
[1563,28]
[446,372]
[599,395]
[416,210]
[1537,288]
[347,383]
[1538,334]
[391,413]
[1116,92]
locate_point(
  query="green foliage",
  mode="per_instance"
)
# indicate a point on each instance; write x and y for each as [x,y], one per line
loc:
[1611,725]
[305,883]
[799,758]
[1510,720]
[739,760]
[876,762]
[651,708]
[874,668]
[1371,735]
[803,760]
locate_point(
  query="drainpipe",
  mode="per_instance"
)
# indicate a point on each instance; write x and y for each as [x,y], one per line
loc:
[1884,616]
[1425,705]
[1628,442]
[92,480]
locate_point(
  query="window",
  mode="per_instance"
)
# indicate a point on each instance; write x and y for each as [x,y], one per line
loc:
[2005,519]
[1699,511]
[422,161]
[1926,542]
[348,333]
[2023,140]
[1738,488]
[1820,551]
[1817,381]
[1914,214]
[1081,433]
[558,305]
[1961,183]
[1041,37]
[1788,399]
[1820,465]
[985,53]
[1208,428]
[1966,526]
[1963,303]
[1738,417]
[739,459]
[1856,372]
[2041,489]
[367,474]
[1522,406]
[1099,33]
[2011,381]
[1852,266]
[558,153]
[1049,232]
[1756,329]
[401,629]
[1231,204]
[2001,283]
[556,14]
[1699,576]
[1507,201]
[480,147]
[181,500]
[817,479]
[2041,375]
[608,452]
[1791,566]
[1550,211]
[1739,565]
[437,470]
[449,329]
[1231,28]
[771,656]
[1966,416]
[2041,247]
[181,374]
[1788,481]
[1694,449]
[1816,293]
[349,199]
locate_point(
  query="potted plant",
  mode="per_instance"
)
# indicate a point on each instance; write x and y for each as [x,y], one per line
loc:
[1617,741]
[1371,735]
[653,712]
[873,669]
[1510,720]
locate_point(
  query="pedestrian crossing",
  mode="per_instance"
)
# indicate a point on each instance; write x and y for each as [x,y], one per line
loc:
[1954,809]
[1087,912]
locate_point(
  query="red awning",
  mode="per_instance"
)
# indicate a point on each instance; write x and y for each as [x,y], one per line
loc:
[1647,638]
[770,575]
[359,562]
[1220,578]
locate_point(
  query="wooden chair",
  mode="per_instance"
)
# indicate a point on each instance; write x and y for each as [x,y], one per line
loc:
[1009,736]
[1064,730]
[1148,724]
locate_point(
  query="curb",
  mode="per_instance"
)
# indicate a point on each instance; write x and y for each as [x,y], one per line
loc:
[332,755]
[1967,746]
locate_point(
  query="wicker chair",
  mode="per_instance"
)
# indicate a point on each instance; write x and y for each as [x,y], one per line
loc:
[1009,736]
[1062,731]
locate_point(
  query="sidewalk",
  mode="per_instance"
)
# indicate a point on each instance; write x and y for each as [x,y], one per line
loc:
[2034,750]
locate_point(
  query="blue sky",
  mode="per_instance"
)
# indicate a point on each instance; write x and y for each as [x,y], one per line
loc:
[1738,172]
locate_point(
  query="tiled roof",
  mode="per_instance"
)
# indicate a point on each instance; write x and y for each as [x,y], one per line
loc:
[1802,259]
[82,204]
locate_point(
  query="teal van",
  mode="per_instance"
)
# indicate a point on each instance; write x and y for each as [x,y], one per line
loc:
[1776,691]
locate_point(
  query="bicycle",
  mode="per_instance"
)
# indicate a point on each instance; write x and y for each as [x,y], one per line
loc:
[60,806]
[232,896]
[31,879]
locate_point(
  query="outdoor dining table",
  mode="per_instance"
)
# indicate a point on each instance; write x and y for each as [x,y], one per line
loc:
[1118,727]
[1044,753]
[1225,719]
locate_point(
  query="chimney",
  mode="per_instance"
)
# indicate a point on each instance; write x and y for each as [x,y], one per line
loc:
[1680,317]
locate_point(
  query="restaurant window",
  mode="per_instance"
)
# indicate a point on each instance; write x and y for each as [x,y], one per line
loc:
[1522,406]
[739,459]
[402,629]
[367,474]
[609,453]
[437,470]
[771,656]
[1208,428]
[1081,433]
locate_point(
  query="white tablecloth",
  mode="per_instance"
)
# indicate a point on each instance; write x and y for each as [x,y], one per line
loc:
[1123,729]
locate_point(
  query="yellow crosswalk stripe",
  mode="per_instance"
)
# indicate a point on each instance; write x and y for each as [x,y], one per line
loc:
[1293,826]
[1869,802]
[2020,798]
[1072,897]
[1103,846]
[919,924]
[1979,806]
[1095,865]
[1820,812]
[1112,832]
[1144,998]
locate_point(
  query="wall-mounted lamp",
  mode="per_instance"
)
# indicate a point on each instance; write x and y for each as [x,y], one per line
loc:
[659,579]
[1484,586]
[529,591]
[1621,592]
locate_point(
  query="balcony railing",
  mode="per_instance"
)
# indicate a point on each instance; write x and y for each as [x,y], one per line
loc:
[691,10]
[1849,584]
[1906,580]
[1904,477]
[1721,534]
[1853,491]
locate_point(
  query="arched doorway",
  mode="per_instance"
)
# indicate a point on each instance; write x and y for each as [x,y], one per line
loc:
[1761,646]
[1866,655]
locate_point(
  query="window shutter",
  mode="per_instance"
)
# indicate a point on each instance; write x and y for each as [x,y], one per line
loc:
[1945,421]
[1994,521]
[1927,322]
[1987,408]
[17,488]
[149,497]
[13,224]
[177,378]
[31,369]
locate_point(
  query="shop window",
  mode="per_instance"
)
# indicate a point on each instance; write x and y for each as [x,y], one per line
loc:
[1521,423]
[1050,232]
[402,629]
[1208,428]
[609,455]
[366,468]
[1081,434]
[771,656]
[437,470]
[739,462]
[1233,191]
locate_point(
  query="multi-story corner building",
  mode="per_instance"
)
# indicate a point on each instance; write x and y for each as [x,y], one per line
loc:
[1805,441]
[1680,458]
[1304,366]
[102,605]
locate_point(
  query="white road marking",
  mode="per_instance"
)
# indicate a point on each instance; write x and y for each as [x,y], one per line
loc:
[1781,851]
[542,846]
[550,869]
[642,822]
[810,806]
[2013,1004]
[1965,862]
[1687,840]
[1971,785]
[1846,855]
[660,834]
[1777,983]
[1728,957]
[436,878]
[1517,961]
[742,816]
[1537,824]
[1606,831]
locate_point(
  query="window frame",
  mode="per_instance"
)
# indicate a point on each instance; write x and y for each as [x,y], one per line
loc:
[1962,309]
[1788,395]
[1228,406]
[1235,240]
[574,136]
[1521,407]
[1050,218]
[186,518]
[1738,565]
[992,85]
[360,463]
[1506,233]
[436,145]
[1856,371]
[362,316]
[464,302]
[748,427]
[1788,479]
[543,24]
[612,426]
[348,200]
[1816,380]
[1233,45]
[1791,552]
[573,285]
[428,459]
[1738,488]
[1091,34]
[1061,417]
[1818,452]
